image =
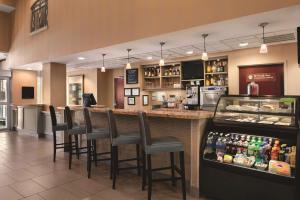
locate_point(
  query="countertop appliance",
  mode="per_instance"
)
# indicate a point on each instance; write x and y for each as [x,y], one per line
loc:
[192,97]
[210,95]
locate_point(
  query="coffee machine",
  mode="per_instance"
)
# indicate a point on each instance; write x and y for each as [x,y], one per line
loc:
[192,97]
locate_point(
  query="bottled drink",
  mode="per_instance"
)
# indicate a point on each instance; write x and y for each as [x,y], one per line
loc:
[275,151]
[281,156]
[252,147]
[293,157]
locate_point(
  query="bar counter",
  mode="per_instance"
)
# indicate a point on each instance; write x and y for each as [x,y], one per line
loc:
[187,126]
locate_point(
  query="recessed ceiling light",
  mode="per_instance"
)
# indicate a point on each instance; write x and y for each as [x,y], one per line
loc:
[189,52]
[243,44]
[81,58]
[149,58]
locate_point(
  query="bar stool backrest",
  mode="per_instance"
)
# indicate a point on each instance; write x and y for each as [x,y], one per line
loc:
[87,120]
[112,126]
[53,116]
[68,117]
[144,129]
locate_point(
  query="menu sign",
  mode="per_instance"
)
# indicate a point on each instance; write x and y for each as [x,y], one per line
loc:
[132,76]
[261,77]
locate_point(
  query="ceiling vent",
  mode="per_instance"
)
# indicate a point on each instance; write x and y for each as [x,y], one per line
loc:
[280,38]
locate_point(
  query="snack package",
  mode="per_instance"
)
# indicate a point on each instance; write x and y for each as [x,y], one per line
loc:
[227,158]
[280,168]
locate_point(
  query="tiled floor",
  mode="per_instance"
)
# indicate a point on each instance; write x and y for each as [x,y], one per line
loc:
[27,172]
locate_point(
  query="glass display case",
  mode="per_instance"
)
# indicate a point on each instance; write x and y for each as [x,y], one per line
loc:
[280,111]
[255,142]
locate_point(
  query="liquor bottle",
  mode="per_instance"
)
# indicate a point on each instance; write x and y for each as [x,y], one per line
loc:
[166,72]
[208,68]
[214,67]
[275,151]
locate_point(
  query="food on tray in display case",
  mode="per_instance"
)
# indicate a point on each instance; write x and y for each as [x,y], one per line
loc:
[261,153]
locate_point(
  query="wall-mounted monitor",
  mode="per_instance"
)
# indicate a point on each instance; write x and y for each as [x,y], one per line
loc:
[192,70]
[27,92]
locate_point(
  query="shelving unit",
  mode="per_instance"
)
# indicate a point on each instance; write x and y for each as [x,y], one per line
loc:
[167,77]
[216,72]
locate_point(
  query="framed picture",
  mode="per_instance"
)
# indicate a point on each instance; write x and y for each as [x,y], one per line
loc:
[135,91]
[127,92]
[145,100]
[75,90]
[132,76]
[131,101]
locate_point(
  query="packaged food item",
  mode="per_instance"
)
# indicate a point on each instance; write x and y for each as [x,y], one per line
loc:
[260,166]
[228,158]
[280,168]
[292,156]
[243,160]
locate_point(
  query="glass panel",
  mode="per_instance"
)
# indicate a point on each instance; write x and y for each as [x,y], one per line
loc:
[267,154]
[277,111]
[3,116]
[3,90]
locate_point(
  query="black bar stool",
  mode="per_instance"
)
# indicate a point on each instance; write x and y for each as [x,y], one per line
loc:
[118,139]
[152,146]
[73,131]
[92,136]
[57,127]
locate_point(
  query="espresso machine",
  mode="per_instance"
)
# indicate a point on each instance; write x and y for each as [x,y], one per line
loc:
[192,97]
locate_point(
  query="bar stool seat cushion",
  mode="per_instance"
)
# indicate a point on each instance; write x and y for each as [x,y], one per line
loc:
[123,138]
[60,127]
[164,144]
[98,134]
[76,130]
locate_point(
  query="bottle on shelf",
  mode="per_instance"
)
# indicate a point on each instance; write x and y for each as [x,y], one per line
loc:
[292,156]
[275,151]
[214,67]
[208,67]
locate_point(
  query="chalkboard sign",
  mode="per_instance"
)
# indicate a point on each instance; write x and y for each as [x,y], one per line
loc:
[132,76]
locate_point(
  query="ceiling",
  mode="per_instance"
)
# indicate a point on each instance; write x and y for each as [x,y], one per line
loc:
[223,36]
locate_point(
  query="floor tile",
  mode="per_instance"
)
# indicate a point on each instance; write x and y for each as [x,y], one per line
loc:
[6,180]
[27,188]
[21,174]
[7,193]
[58,194]
[33,197]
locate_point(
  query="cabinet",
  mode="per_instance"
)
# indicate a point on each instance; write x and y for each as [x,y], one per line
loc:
[216,72]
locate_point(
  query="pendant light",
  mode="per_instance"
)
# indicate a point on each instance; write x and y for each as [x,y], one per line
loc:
[161,61]
[204,54]
[128,65]
[103,66]
[263,47]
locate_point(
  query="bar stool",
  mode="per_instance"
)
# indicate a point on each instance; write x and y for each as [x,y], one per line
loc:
[57,127]
[152,146]
[118,139]
[92,136]
[73,131]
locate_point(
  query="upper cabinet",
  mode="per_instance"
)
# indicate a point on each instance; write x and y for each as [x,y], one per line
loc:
[216,72]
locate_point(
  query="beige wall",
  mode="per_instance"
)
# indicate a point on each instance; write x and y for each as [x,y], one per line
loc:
[5,31]
[23,78]
[54,84]
[107,22]
[8,2]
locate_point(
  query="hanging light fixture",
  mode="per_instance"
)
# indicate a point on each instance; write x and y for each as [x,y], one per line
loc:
[128,65]
[204,54]
[161,61]
[263,47]
[103,66]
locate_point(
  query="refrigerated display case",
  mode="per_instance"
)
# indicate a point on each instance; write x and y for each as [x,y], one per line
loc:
[250,149]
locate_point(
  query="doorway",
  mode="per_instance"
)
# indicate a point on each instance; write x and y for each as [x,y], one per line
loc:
[119,92]
[4,103]
[270,78]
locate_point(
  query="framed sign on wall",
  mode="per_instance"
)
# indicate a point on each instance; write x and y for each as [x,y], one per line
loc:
[145,100]
[131,101]
[127,92]
[132,76]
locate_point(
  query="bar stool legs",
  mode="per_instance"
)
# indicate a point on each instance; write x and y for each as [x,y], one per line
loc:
[54,146]
[147,173]
[138,160]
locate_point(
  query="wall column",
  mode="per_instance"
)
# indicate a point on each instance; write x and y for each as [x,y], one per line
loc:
[54,84]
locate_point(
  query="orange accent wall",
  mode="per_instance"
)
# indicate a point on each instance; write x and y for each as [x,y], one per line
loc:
[77,25]
[23,78]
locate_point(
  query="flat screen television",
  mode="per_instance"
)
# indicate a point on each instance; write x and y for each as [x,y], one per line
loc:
[88,100]
[192,70]
[27,92]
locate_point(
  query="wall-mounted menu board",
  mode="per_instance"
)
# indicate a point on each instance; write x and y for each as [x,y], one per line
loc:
[132,76]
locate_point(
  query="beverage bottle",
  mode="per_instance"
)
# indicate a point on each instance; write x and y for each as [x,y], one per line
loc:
[245,146]
[251,147]
[281,156]
[235,145]
[275,151]
[257,148]
[240,148]
[287,155]
[293,157]
[228,144]
[209,144]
